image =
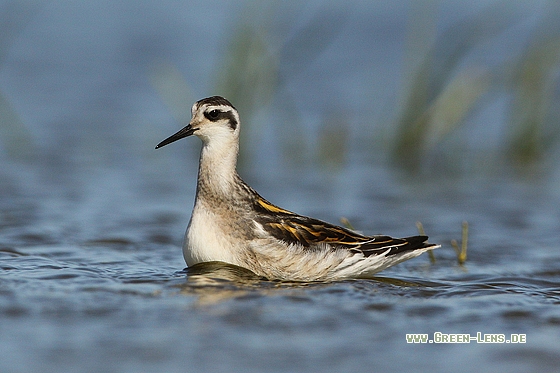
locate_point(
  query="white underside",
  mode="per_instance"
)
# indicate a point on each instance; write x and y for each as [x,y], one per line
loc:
[268,257]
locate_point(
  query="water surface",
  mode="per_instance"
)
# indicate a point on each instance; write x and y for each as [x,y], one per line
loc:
[92,277]
[105,290]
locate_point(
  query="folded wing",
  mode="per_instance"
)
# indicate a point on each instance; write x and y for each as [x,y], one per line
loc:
[308,232]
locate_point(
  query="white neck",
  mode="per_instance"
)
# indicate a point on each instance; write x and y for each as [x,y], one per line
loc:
[217,169]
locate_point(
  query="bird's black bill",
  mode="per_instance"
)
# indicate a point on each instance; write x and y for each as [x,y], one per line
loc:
[186,131]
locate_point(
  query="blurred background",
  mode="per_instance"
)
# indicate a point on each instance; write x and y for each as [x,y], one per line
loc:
[428,86]
[428,89]
[384,112]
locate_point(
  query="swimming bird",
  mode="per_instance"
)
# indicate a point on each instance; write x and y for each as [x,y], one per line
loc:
[232,223]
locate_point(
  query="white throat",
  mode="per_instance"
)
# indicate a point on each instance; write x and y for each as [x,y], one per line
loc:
[218,161]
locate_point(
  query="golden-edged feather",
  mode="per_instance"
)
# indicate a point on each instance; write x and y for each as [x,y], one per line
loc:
[292,228]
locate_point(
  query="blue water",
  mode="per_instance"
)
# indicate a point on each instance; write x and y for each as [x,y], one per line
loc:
[92,277]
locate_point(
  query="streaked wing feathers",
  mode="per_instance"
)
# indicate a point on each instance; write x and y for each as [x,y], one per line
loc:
[296,229]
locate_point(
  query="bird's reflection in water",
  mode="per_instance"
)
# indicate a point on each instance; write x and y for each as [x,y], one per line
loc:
[219,273]
[214,282]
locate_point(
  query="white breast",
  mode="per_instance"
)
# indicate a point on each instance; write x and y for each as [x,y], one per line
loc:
[205,240]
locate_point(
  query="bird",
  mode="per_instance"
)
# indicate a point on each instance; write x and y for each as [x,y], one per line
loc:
[232,223]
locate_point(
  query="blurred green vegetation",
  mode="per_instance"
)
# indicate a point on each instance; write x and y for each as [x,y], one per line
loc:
[444,85]
[259,59]
[447,86]
[247,74]
[534,117]
[441,91]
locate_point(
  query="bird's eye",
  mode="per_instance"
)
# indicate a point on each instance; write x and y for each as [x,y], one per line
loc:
[212,114]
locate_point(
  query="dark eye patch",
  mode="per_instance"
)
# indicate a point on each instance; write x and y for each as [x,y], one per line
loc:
[215,115]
